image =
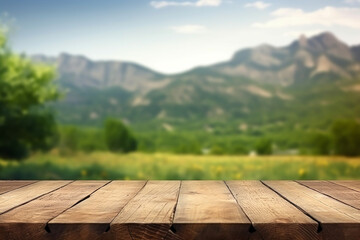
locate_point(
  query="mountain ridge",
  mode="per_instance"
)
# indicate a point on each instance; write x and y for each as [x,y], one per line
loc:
[101,74]
[280,93]
[305,58]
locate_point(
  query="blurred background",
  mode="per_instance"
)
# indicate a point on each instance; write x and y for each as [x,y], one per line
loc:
[195,89]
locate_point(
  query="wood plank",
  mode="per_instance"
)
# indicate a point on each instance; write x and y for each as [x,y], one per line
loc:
[337,220]
[22,195]
[207,210]
[339,192]
[353,184]
[7,186]
[272,216]
[29,220]
[149,214]
[91,218]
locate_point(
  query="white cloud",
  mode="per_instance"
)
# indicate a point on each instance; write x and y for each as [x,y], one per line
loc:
[259,5]
[199,3]
[327,16]
[189,29]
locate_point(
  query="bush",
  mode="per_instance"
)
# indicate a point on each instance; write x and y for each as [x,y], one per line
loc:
[346,135]
[217,150]
[320,144]
[238,149]
[264,147]
[118,138]
[188,148]
[73,139]
[69,139]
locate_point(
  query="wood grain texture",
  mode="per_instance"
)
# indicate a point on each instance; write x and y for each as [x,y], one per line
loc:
[149,214]
[175,210]
[337,220]
[7,186]
[339,192]
[31,219]
[352,184]
[272,216]
[207,210]
[22,195]
[91,218]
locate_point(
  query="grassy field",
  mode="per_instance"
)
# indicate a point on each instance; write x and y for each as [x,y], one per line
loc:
[103,165]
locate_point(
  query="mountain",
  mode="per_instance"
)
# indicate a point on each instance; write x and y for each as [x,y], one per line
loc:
[356,52]
[282,93]
[80,71]
[304,59]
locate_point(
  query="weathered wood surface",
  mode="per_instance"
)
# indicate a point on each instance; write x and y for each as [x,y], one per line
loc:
[339,192]
[7,186]
[30,219]
[207,210]
[337,220]
[270,213]
[25,194]
[90,219]
[349,184]
[179,210]
[149,214]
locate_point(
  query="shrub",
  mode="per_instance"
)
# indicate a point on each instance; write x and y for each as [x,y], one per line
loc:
[346,135]
[118,138]
[264,147]
[320,144]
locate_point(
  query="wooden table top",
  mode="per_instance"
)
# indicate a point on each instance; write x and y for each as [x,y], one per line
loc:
[132,210]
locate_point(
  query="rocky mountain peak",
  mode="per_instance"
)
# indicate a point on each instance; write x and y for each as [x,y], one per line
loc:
[302,40]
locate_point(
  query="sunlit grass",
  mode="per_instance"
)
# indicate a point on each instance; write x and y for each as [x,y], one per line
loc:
[103,165]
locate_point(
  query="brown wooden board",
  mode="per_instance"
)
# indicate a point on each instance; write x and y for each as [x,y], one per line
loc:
[353,184]
[149,214]
[175,210]
[272,216]
[337,220]
[7,186]
[207,210]
[338,192]
[29,221]
[22,195]
[91,218]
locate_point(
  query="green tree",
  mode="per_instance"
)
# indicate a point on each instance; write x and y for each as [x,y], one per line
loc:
[118,138]
[346,135]
[320,144]
[264,147]
[25,88]
[217,150]
[238,149]
[69,139]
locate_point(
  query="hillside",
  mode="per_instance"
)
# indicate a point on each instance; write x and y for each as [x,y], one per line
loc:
[281,93]
[321,56]
[79,71]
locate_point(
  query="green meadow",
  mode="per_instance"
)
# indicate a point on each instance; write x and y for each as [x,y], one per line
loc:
[159,166]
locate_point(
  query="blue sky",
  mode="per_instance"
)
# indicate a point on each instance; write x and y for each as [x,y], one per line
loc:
[171,36]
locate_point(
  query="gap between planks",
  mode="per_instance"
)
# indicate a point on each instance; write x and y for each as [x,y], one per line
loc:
[319,229]
[252,228]
[47,229]
[336,219]
[13,185]
[30,199]
[334,191]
